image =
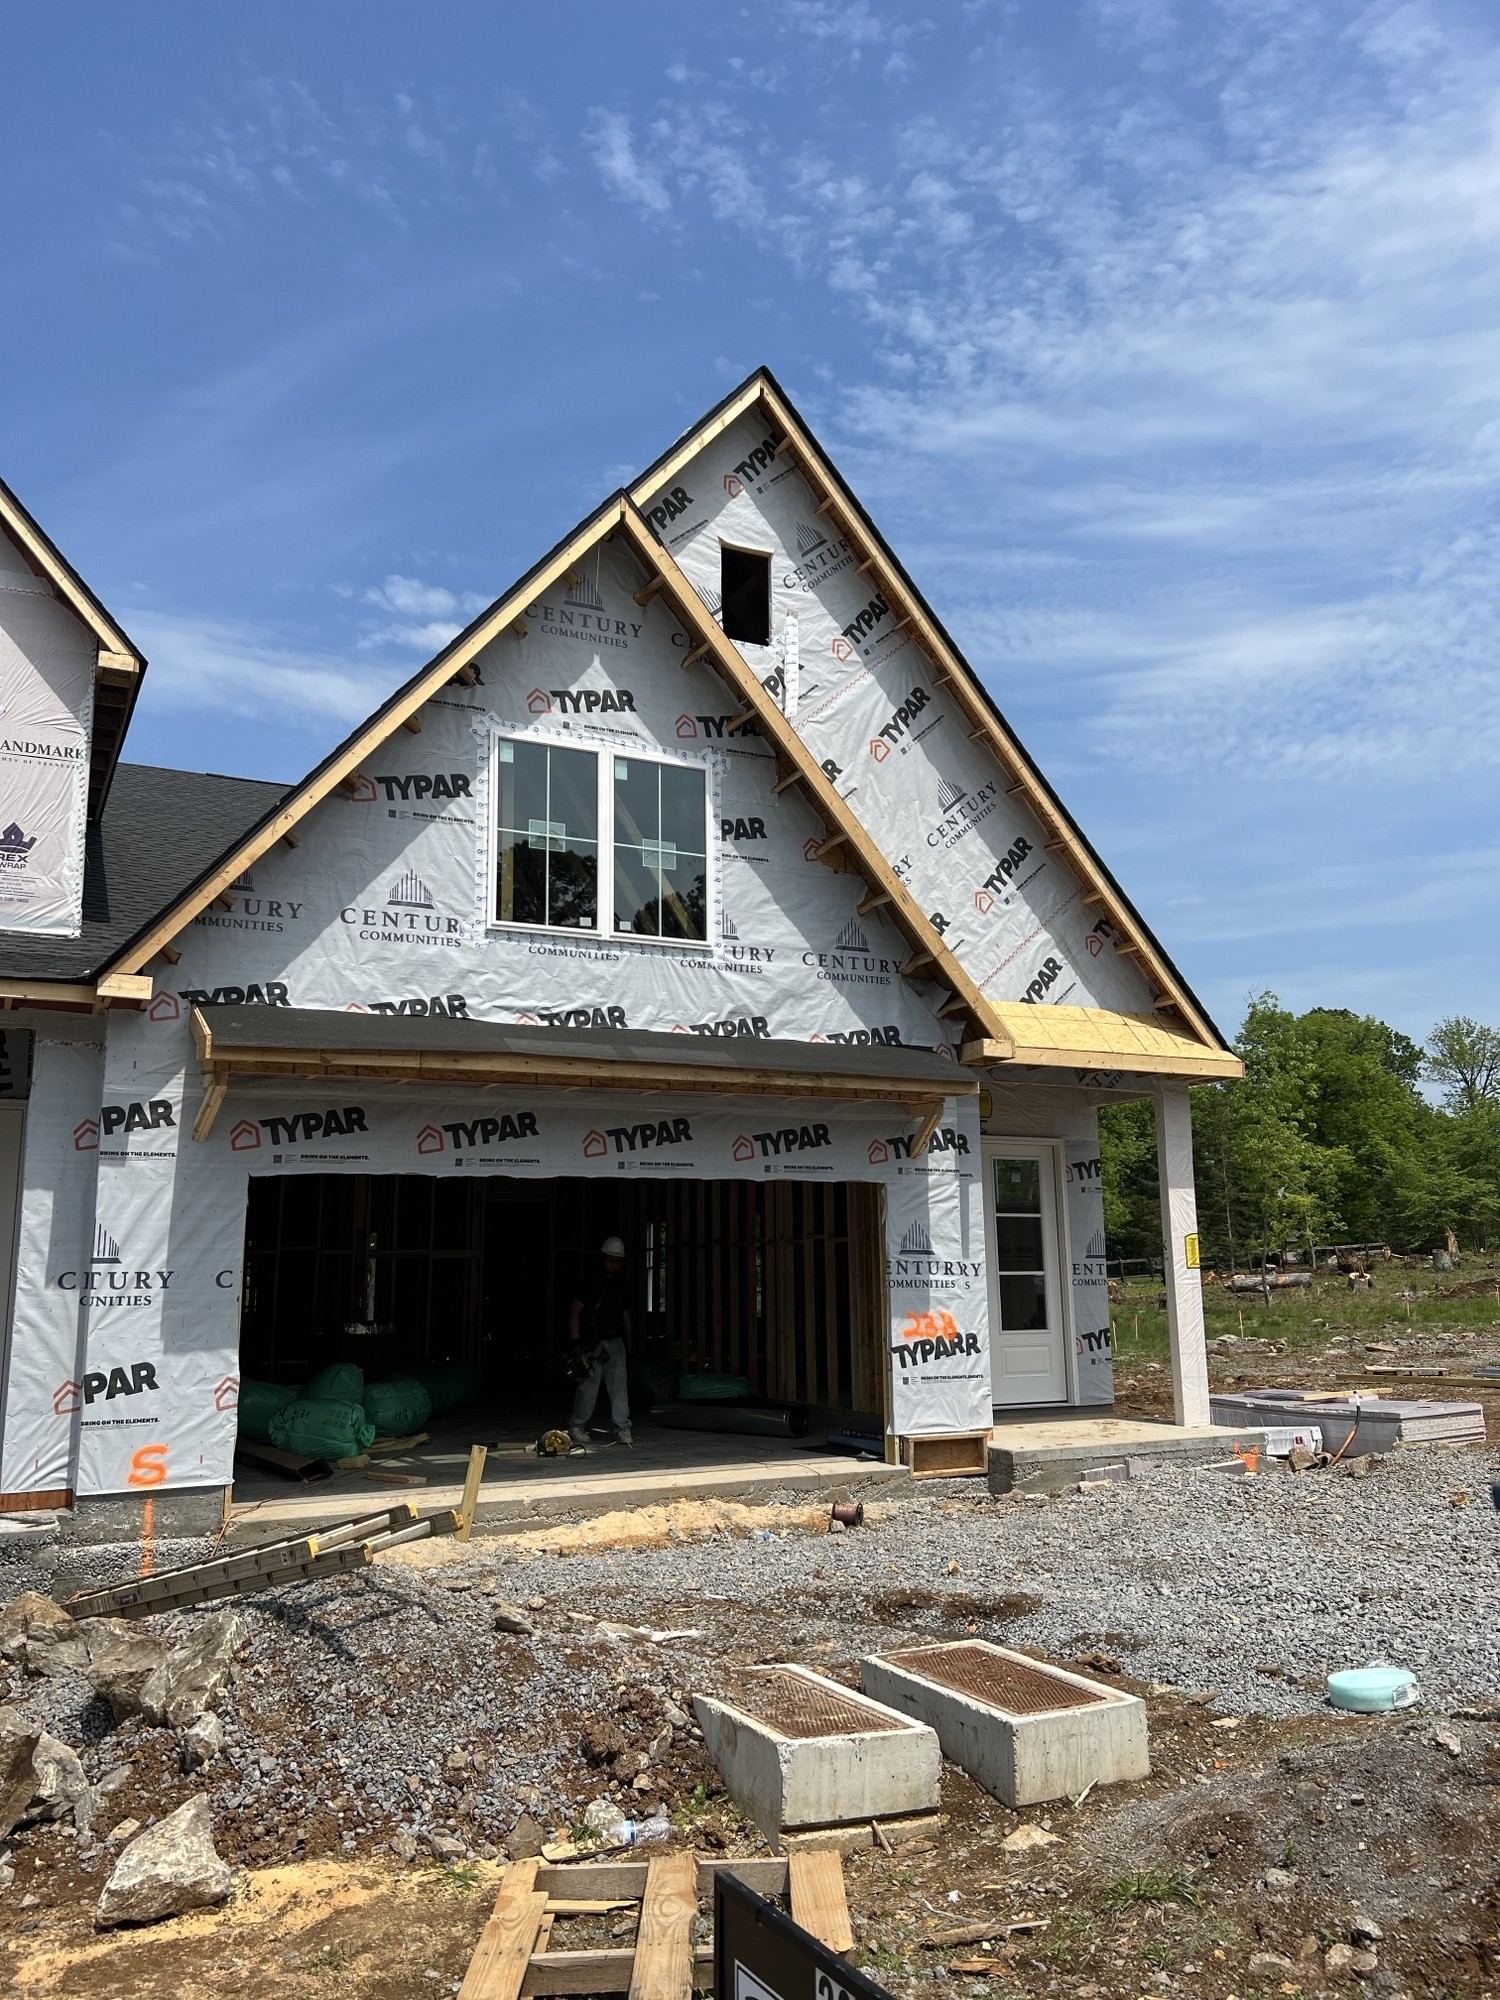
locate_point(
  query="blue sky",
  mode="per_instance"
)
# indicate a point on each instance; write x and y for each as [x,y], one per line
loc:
[1160,338]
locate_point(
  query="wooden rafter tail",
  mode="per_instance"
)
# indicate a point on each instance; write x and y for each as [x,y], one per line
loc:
[695,653]
[788,779]
[171,954]
[413,725]
[876,900]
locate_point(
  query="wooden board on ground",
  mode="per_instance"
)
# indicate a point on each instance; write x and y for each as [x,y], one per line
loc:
[664,1940]
[503,1954]
[818,1900]
[515,1955]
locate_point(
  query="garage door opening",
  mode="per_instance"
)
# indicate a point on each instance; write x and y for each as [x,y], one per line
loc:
[779,1285]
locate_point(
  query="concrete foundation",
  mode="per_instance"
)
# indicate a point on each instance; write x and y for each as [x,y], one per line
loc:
[1047,1457]
[797,1751]
[1024,1731]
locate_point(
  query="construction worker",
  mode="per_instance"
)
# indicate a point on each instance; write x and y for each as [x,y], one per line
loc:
[599,1323]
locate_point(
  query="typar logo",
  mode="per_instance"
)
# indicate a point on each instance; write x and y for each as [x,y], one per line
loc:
[165,1007]
[1103,933]
[227,1393]
[244,1137]
[754,1026]
[997,885]
[1047,976]
[360,790]
[269,994]
[539,702]
[134,1380]
[86,1136]
[878,1152]
[752,466]
[864,622]
[135,1117]
[743,1148]
[890,734]
[429,1140]
[785,1140]
[687,725]
[502,1129]
[297,1127]
[933,1336]
[644,1138]
[575,1017]
[668,508]
[841,648]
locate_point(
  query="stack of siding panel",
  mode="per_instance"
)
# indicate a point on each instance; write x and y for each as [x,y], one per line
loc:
[1375,1423]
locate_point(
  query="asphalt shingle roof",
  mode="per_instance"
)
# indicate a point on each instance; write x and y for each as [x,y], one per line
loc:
[159,832]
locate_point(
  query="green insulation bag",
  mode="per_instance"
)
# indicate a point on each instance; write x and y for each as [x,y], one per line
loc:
[710,1388]
[447,1383]
[397,1406]
[259,1404]
[343,1382]
[317,1428]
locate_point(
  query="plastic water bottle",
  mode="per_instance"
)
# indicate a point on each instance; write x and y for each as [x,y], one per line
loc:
[638,1832]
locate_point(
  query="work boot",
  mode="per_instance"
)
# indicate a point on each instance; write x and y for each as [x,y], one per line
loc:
[579,1436]
[625,1437]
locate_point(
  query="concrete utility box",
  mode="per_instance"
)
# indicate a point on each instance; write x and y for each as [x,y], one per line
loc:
[799,1750]
[1024,1731]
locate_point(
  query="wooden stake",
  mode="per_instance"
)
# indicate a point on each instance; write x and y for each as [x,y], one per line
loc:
[478,1453]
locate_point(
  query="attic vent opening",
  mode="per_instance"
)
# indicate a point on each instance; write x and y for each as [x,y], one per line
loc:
[745,588]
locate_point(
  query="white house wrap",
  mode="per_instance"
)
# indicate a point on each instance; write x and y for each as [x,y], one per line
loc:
[856,866]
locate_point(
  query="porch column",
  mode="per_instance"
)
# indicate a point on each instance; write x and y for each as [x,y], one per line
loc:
[1179,1234]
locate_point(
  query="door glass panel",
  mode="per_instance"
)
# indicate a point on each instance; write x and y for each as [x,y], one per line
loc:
[1023,1302]
[1020,1245]
[1018,1187]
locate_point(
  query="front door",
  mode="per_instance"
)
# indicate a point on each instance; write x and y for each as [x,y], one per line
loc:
[1028,1359]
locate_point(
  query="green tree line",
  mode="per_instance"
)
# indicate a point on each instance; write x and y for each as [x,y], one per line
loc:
[1329,1138]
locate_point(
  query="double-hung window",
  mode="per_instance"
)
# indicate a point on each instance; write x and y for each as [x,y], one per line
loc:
[590,840]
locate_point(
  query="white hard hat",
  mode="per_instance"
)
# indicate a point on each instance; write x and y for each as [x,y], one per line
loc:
[611,1247]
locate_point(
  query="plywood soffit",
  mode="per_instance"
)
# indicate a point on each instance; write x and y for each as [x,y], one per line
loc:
[1097,1038]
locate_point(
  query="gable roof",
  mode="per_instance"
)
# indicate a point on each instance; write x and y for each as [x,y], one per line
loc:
[157,833]
[848,842]
[120,664]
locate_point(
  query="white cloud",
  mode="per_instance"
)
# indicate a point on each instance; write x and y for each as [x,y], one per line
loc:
[622,172]
[199,663]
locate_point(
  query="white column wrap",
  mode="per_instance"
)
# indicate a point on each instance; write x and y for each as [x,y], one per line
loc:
[1179,1221]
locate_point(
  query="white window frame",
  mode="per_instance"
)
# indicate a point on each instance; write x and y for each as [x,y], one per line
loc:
[604,755]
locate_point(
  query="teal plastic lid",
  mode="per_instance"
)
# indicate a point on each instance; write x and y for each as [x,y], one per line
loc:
[1373,1690]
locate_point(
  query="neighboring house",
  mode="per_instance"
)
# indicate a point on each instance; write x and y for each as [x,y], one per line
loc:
[697,890]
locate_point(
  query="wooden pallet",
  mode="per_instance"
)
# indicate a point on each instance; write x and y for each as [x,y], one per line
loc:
[514,1956]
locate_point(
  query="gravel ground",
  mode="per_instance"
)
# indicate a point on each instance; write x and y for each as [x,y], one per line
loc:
[388,1708]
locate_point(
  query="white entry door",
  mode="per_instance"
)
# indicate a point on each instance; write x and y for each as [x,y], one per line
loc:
[1028,1355]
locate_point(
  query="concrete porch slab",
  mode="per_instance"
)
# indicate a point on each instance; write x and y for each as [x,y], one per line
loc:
[1045,1455]
[518,1494]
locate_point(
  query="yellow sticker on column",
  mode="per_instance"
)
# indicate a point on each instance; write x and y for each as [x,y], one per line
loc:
[1190,1250]
[986,1105]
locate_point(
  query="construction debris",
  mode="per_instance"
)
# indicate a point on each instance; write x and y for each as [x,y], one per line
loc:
[1353,1424]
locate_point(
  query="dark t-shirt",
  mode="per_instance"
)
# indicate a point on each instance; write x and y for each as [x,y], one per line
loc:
[605,1304]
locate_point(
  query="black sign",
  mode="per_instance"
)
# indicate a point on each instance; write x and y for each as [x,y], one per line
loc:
[761,1955]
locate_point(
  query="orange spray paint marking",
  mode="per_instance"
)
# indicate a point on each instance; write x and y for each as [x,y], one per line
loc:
[148,1466]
